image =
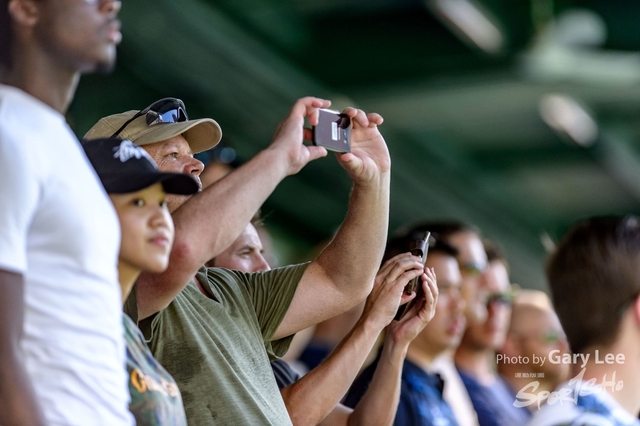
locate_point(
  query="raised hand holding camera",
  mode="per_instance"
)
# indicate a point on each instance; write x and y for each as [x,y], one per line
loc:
[369,157]
[290,133]
[333,131]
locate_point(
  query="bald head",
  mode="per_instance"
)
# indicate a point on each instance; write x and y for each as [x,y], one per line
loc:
[529,307]
[536,330]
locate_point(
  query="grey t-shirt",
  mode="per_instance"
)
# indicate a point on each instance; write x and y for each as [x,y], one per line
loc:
[218,349]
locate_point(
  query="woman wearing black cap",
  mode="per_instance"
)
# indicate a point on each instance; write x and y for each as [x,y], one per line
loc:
[138,192]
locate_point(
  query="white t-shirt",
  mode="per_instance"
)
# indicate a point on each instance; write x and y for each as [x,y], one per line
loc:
[60,231]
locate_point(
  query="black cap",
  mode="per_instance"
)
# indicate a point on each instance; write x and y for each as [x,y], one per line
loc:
[124,167]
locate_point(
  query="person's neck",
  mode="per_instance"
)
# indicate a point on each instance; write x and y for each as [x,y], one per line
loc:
[44,78]
[127,275]
[421,357]
[598,370]
[476,362]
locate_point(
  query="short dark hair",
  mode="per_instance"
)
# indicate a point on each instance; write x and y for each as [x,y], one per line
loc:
[594,275]
[5,35]
[401,242]
[443,231]
[495,253]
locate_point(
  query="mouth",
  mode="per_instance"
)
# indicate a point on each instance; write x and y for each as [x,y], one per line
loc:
[160,240]
[113,31]
[456,326]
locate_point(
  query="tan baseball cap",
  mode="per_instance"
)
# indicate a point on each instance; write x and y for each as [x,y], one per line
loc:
[201,134]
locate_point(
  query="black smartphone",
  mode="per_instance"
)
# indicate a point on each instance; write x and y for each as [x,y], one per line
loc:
[419,247]
[333,131]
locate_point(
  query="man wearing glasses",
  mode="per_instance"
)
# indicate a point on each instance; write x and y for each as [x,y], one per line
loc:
[475,357]
[216,331]
[472,261]
[421,400]
[534,332]
[61,335]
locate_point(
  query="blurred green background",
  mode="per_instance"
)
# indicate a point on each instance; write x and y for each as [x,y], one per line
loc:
[520,116]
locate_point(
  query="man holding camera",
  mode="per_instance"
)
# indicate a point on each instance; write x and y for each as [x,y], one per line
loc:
[421,395]
[220,328]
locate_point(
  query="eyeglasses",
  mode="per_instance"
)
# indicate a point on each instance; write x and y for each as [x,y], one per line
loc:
[167,110]
[551,337]
[473,269]
[505,299]
[547,337]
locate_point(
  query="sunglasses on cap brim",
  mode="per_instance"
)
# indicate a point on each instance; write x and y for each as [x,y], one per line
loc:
[167,110]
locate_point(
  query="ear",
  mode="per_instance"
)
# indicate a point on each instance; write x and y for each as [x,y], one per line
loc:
[636,310]
[24,12]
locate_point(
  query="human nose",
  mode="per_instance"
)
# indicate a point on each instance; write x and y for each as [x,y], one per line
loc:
[194,166]
[457,302]
[161,218]
[563,345]
[261,263]
[110,6]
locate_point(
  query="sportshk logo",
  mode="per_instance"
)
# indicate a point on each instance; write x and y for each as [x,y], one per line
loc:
[127,150]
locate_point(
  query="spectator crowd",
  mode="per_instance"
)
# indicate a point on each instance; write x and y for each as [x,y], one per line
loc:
[134,292]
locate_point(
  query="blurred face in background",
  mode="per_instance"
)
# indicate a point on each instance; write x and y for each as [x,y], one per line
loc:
[490,334]
[245,254]
[82,34]
[473,262]
[445,330]
[537,331]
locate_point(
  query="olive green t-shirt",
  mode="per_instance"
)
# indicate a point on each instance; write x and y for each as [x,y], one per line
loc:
[218,349]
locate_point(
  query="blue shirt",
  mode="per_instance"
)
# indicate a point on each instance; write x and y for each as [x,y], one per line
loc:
[421,401]
[494,404]
[577,403]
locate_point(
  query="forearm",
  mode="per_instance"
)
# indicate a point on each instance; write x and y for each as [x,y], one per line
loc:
[18,404]
[208,223]
[353,257]
[379,404]
[315,395]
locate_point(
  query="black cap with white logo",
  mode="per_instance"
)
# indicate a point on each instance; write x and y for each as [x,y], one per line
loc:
[124,167]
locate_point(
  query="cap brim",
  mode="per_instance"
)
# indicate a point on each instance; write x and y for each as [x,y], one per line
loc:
[201,134]
[172,183]
[179,183]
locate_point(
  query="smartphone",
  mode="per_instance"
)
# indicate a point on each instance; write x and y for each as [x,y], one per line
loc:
[333,131]
[419,247]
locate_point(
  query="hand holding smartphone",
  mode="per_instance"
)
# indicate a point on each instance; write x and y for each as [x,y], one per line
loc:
[333,131]
[419,248]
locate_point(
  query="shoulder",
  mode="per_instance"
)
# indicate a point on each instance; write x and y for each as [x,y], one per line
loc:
[566,414]
[18,107]
[221,278]
[28,130]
